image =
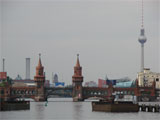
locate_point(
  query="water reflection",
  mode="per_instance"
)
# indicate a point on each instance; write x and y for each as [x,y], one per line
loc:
[77,110]
[39,110]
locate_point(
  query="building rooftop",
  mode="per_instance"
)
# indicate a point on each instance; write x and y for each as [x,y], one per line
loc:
[125,84]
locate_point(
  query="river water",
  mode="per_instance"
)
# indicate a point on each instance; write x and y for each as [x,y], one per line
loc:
[65,109]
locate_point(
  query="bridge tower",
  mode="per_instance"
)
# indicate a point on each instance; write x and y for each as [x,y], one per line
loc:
[39,78]
[77,80]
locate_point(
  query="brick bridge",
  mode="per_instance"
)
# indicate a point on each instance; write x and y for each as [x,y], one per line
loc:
[77,91]
[81,93]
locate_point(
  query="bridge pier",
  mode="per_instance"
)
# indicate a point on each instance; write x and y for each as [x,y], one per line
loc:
[40,99]
[78,99]
[149,108]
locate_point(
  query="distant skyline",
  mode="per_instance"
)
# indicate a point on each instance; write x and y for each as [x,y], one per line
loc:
[104,32]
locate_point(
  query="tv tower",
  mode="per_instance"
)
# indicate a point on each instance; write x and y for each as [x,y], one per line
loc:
[142,39]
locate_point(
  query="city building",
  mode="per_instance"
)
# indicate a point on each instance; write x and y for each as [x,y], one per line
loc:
[22,82]
[147,77]
[3,75]
[30,83]
[90,84]
[55,82]
[54,78]
[59,84]
[4,86]
[47,83]
[102,83]
[128,84]
[18,77]
[120,81]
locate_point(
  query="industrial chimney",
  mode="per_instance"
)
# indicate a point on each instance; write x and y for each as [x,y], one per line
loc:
[27,68]
[3,65]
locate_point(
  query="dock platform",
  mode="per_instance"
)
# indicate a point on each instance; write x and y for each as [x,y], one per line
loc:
[149,107]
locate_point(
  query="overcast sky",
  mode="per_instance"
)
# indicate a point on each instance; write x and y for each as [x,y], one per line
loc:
[104,33]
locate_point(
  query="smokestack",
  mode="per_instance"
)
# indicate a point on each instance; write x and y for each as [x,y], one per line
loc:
[28,68]
[3,64]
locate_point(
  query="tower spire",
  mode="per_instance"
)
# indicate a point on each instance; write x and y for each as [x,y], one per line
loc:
[142,24]
[39,63]
[39,68]
[77,64]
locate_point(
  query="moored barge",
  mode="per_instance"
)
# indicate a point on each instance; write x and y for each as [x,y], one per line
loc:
[118,106]
[14,105]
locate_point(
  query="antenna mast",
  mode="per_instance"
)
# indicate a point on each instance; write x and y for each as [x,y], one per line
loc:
[142,24]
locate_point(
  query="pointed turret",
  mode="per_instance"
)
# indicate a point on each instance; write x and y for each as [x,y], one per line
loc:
[39,62]
[77,64]
[39,68]
[77,68]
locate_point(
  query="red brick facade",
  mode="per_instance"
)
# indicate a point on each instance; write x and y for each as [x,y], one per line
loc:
[40,80]
[77,80]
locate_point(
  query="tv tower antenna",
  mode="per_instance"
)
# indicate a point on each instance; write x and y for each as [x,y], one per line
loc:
[142,38]
[142,7]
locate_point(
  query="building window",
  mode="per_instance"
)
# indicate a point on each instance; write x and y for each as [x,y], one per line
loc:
[38,86]
[2,92]
[77,87]
[157,79]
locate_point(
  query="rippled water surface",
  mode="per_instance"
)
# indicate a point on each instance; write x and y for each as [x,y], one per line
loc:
[65,109]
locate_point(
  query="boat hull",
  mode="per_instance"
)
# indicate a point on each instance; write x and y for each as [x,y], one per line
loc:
[14,105]
[114,107]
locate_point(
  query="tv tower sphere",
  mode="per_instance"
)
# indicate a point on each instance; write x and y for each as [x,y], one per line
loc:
[142,38]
